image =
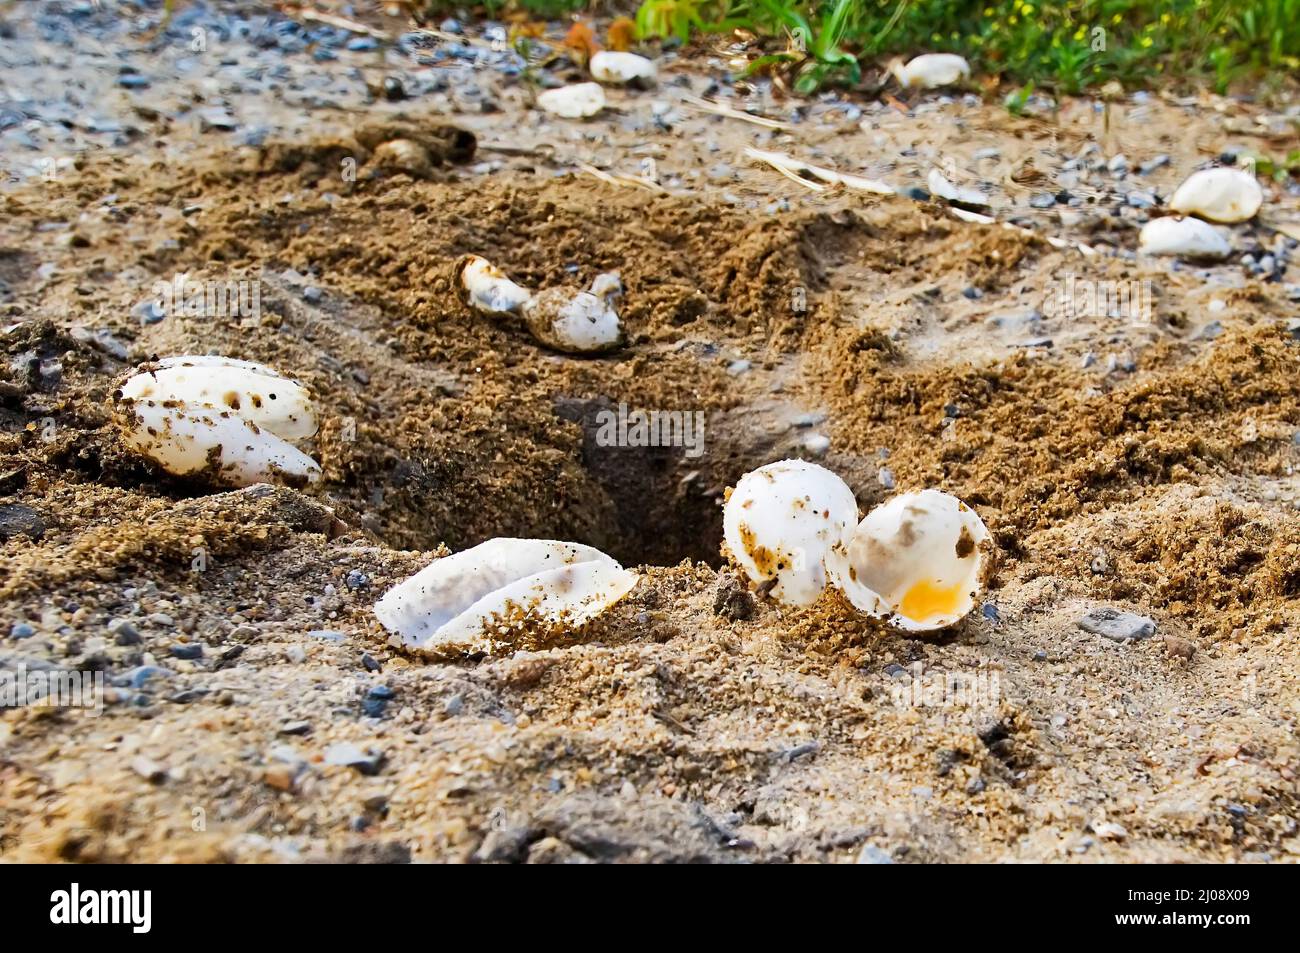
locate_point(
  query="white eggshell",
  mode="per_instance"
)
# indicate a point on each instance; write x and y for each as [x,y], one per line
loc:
[253,391]
[489,290]
[1189,237]
[573,102]
[463,601]
[790,521]
[1221,195]
[919,557]
[610,66]
[186,439]
[931,70]
[941,187]
[578,323]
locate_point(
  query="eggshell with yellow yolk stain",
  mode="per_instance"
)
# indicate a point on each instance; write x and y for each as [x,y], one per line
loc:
[918,559]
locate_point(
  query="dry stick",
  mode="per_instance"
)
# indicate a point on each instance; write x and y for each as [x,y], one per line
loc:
[708,106]
[343,23]
[788,165]
[622,179]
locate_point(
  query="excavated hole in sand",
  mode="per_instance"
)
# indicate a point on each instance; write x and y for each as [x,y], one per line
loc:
[664,503]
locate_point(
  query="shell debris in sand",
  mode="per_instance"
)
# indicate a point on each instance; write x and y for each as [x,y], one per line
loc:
[580,101]
[478,598]
[575,322]
[232,419]
[1219,195]
[1189,237]
[786,523]
[917,560]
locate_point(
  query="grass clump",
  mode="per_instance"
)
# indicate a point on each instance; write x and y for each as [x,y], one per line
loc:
[1062,46]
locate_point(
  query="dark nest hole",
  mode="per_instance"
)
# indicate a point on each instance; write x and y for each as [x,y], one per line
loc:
[665,501]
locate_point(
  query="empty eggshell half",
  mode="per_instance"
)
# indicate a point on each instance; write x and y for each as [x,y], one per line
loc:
[918,558]
[253,391]
[1221,195]
[471,601]
[573,102]
[189,439]
[787,524]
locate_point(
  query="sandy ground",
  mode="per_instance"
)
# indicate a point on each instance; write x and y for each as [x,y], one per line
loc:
[1140,461]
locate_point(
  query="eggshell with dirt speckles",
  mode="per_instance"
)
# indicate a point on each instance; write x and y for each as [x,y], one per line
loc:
[473,600]
[786,524]
[192,439]
[252,391]
[918,558]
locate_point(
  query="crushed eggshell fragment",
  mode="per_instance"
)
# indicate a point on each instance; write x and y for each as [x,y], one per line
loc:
[579,101]
[477,599]
[1188,237]
[918,559]
[609,66]
[1220,195]
[787,524]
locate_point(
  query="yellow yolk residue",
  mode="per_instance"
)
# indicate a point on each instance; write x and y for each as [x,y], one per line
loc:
[925,601]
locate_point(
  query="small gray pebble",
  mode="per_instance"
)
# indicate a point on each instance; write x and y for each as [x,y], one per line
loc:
[1117,625]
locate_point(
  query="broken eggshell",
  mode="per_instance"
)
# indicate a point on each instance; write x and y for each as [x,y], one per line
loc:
[253,391]
[231,419]
[475,599]
[1189,237]
[930,70]
[584,322]
[918,559]
[189,439]
[1220,195]
[487,289]
[787,524]
[573,102]
[611,66]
